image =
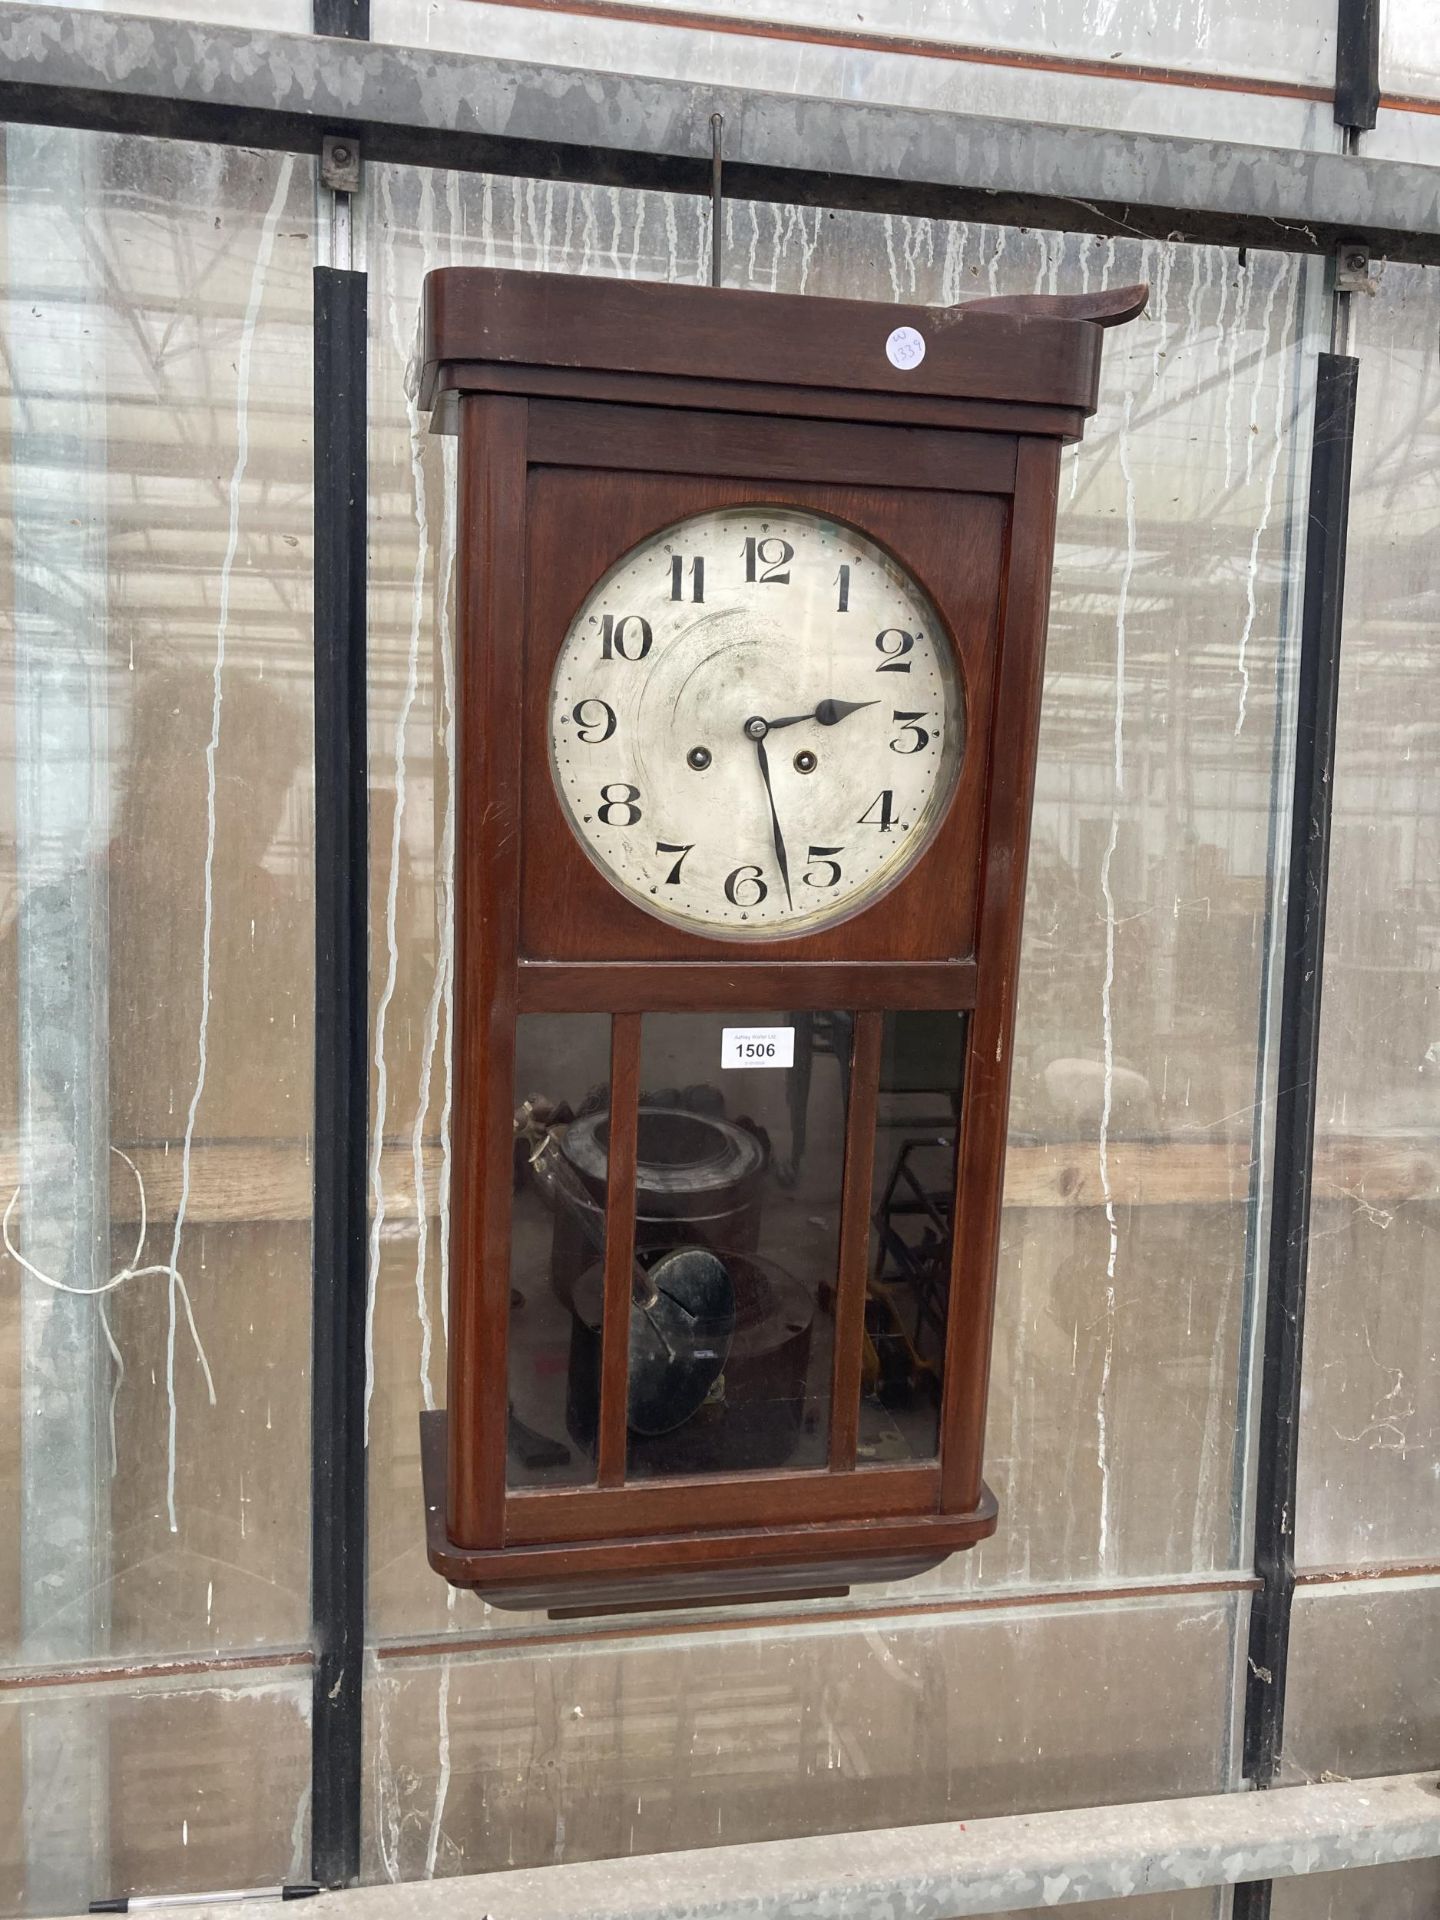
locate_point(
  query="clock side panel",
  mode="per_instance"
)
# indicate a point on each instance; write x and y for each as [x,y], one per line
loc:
[581,521]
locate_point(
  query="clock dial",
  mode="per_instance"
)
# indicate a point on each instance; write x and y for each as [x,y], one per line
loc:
[756,722]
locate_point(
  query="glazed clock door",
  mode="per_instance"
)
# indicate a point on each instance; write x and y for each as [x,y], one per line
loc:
[755,722]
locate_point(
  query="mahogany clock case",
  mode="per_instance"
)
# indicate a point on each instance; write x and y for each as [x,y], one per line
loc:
[590,418]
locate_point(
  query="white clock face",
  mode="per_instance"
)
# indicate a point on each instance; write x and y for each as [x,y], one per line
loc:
[755,722]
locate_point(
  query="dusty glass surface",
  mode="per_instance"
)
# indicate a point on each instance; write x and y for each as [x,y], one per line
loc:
[742,1201]
[1364,1682]
[765,1727]
[156,970]
[156,957]
[1370,1434]
[912,1235]
[1408,1891]
[1410,48]
[557,1244]
[170,1787]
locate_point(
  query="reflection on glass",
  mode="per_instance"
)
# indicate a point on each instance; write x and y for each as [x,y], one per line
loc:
[922,1074]
[557,1244]
[737,1162]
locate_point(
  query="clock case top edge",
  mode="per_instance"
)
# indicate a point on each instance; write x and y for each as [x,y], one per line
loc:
[1033,351]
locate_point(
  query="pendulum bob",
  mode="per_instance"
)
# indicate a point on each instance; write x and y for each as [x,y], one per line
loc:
[698,1184]
[681,1329]
[753,1414]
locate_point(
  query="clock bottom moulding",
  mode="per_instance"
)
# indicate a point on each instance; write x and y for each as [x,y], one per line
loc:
[693,1567]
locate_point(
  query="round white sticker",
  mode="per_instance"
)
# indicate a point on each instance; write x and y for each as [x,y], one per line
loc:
[905,348]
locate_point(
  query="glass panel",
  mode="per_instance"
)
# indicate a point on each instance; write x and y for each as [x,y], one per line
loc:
[1410,48]
[759,1727]
[557,1248]
[156,958]
[741,1153]
[1370,1426]
[912,1230]
[1408,1891]
[171,1787]
[866,59]
[1364,1679]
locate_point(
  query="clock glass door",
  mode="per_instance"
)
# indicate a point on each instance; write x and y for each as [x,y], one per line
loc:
[756,722]
[912,1228]
[741,1167]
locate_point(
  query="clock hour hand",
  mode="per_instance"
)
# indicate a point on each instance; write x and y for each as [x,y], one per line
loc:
[784,865]
[827,713]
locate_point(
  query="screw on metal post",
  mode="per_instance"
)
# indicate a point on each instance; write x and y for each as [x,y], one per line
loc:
[1352,268]
[340,163]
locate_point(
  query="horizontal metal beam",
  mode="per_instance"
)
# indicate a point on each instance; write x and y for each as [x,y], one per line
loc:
[198,81]
[952,1868]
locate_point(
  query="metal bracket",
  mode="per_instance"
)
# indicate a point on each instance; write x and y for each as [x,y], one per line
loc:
[1352,268]
[340,163]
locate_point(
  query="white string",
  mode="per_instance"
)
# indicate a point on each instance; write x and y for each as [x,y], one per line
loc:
[130,1271]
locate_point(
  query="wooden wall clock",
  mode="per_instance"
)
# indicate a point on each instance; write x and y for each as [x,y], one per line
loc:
[752,600]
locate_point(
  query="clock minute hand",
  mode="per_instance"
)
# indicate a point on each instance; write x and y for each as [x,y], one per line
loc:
[779,837]
[827,713]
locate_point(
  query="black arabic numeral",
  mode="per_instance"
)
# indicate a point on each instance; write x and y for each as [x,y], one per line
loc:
[616,642]
[585,725]
[894,643]
[697,578]
[911,738]
[672,879]
[886,803]
[767,562]
[618,808]
[843,582]
[745,877]
[824,857]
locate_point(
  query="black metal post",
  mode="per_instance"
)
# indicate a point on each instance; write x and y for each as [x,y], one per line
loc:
[344,19]
[1357,63]
[1317,696]
[342,1083]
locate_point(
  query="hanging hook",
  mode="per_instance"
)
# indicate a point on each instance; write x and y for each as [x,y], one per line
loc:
[717,137]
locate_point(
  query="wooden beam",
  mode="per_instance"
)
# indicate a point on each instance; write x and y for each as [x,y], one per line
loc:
[240,1180]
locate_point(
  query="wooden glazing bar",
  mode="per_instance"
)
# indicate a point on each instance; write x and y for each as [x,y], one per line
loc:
[980,1167]
[487,774]
[661,986]
[619,1246]
[854,1240]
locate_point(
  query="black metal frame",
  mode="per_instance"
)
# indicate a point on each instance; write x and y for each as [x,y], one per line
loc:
[342,1079]
[342,19]
[1297,1067]
[1357,63]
